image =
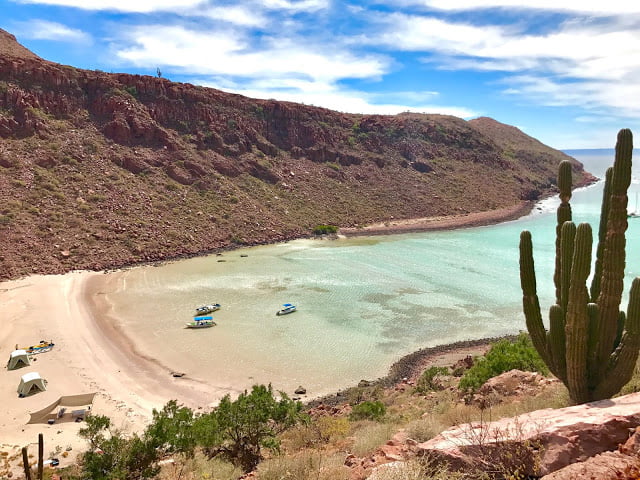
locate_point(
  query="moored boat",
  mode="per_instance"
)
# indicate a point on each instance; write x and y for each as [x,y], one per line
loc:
[201,322]
[207,309]
[286,308]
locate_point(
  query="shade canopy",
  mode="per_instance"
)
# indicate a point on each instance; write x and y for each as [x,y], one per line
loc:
[43,415]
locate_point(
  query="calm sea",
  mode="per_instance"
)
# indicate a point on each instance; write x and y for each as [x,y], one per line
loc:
[362,303]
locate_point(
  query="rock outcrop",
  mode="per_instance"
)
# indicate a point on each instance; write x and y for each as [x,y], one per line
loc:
[541,442]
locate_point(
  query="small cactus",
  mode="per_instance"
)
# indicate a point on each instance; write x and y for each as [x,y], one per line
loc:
[591,346]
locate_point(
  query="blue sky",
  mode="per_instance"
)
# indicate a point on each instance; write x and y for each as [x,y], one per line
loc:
[566,72]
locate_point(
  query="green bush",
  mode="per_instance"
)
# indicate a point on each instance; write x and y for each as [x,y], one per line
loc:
[428,381]
[324,229]
[133,91]
[238,429]
[368,411]
[502,357]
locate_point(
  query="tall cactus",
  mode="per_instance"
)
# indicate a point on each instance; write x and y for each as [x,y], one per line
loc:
[591,345]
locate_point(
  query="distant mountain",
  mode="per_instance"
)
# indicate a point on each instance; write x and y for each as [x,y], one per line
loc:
[100,170]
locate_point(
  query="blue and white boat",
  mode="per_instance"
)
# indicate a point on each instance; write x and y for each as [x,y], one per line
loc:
[201,322]
[286,308]
[207,309]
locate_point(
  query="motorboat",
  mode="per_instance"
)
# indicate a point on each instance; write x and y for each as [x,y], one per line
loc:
[201,322]
[286,308]
[207,309]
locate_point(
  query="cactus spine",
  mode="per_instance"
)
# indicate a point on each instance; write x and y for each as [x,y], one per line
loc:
[591,346]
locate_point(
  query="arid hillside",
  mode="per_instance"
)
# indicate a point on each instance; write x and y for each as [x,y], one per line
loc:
[101,170]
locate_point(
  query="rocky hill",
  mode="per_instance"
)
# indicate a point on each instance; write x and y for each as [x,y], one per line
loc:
[101,170]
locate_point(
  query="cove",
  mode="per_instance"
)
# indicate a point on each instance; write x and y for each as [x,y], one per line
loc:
[362,302]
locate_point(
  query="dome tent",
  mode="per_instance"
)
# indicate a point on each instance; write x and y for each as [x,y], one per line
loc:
[31,383]
[17,359]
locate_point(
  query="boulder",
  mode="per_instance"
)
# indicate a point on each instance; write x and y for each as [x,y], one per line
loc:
[510,384]
[606,466]
[542,441]
[300,390]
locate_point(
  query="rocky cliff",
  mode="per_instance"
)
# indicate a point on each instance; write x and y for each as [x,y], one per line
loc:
[100,170]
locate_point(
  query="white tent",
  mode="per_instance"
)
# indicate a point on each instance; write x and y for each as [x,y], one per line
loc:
[30,383]
[17,359]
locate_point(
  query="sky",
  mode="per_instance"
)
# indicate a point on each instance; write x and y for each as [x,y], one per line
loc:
[565,72]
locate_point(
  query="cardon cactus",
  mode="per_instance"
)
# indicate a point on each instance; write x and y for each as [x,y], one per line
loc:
[591,345]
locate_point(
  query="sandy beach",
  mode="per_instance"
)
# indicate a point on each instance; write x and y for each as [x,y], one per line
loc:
[92,354]
[448,222]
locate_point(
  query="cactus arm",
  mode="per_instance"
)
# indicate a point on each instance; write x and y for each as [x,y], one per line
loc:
[623,360]
[577,316]
[567,241]
[563,215]
[556,342]
[530,302]
[594,317]
[613,261]
[602,236]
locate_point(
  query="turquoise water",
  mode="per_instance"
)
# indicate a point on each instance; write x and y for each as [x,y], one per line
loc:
[362,302]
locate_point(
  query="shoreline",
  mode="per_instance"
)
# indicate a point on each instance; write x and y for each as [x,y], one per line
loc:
[409,367]
[445,222]
[94,354]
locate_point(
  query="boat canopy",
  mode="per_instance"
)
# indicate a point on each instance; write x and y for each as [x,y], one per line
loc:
[200,319]
[287,305]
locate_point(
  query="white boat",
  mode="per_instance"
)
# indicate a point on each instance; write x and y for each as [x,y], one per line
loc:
[636,212]
[207,309]
[286,308]
[201,322]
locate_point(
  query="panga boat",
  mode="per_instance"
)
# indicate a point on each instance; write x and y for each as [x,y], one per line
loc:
[286,308]
[201,322]
[207,309]
[42,347]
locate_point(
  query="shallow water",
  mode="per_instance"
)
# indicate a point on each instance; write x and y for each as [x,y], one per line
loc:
[362,302]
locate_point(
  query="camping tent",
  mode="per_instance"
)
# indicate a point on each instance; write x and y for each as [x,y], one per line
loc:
[17,359]
[58,408]
[30,383]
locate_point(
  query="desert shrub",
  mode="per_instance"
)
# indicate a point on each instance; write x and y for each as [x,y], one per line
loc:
[503,356]
[306,466]
[370,436]
[429,382]
[368,410]
[237,430]
[324,229]
[331,428]
[199,467]
[132,90]
[361,393]
[113,456]
[422,469]
[424,429]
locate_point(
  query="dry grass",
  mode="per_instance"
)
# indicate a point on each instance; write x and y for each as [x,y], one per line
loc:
[369,435]
[308,465]
[200,468]
[421,469]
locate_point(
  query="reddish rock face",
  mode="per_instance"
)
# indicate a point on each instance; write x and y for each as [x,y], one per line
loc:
[545,440]
[155,152]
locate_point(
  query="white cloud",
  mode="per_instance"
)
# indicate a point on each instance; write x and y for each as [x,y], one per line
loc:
[138,6]
[617,97]
[605,46]
[236,15]
[230,53]
[331,96]
[581,63]
[45,30]
[594,7]
[295,5]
